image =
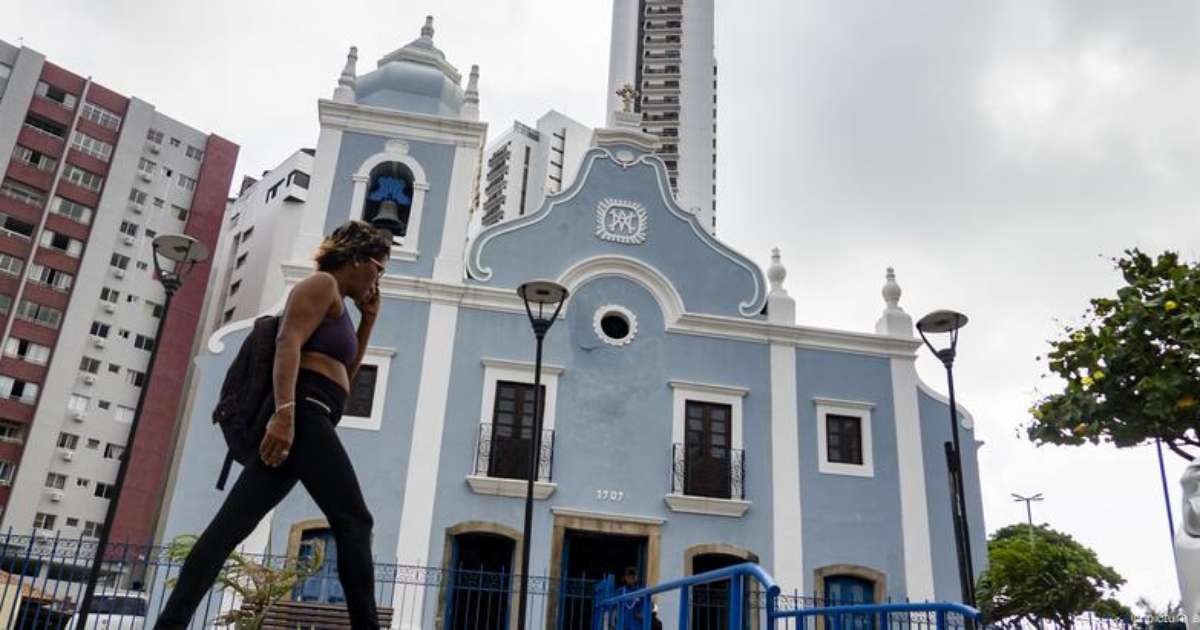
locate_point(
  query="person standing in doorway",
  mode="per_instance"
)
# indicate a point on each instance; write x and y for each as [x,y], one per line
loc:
[317,354]
[631,615]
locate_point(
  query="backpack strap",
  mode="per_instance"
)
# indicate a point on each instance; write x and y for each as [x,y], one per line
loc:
[225,470]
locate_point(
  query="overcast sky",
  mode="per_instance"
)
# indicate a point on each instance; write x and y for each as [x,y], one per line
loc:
[994,153]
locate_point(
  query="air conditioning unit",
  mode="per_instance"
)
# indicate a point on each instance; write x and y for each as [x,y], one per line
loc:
[41,532]
[109,307]
[129,240]
[118,272]
[67,455]
[79,416]
[56,495]
[145,177]
[99,341]
[153,147]
[89,378]
[137,207]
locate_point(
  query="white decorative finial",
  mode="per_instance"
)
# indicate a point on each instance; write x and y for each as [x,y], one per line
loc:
[344,93]
[891,290]
[470,109]
[781,308]
[894,321]
[472,94]
[776,273]
[427,30]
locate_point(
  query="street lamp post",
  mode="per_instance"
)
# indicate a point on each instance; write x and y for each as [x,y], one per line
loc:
[951,322]
[1028,509]
[185,252]
[544,295]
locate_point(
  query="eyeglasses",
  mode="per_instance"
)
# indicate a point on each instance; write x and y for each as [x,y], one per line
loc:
[379,267]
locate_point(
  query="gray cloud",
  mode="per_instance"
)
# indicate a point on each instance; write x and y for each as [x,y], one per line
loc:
[989,151]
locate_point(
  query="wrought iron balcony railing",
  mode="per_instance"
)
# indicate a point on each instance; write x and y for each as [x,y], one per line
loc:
[715,472]
[503,451]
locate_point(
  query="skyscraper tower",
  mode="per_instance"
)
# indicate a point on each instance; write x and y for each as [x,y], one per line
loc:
[664,49]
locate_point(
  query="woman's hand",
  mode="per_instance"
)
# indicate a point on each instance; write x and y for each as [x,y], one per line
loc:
[368,303]
[277,442]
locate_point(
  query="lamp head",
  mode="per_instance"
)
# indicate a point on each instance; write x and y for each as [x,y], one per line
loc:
[180,248]
[942,321]
[544,295]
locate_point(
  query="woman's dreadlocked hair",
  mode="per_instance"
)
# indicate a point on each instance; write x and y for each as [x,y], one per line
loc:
[351,242]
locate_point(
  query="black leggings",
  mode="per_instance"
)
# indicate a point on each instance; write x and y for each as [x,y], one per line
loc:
[318,461]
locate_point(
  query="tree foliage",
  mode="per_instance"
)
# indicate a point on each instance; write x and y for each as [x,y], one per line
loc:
[1048,576]
[1132,369]
[258,584]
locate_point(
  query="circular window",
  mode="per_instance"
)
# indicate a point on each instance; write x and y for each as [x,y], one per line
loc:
[615,325]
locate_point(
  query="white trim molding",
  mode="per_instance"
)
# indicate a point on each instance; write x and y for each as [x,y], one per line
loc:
[853,408]
[381,359]
[607,516]
[394,123]
[787,514]
[505,300]
[515,488]
[965,419]
[734,508]
[910,465]
[394,151]
[749,308]
[732,395]
[623,313]
[683,391]
[614,266]
[495,370]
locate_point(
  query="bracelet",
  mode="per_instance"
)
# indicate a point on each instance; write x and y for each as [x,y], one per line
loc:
[285,406]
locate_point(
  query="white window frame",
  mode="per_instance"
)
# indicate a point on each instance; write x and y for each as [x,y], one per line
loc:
[395,151]
[681,393]
[123,414]
[79,402]
[381,358]
[494,371]
[859,409]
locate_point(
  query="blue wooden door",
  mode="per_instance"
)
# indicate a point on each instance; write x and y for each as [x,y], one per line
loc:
[847,590]
[323,587]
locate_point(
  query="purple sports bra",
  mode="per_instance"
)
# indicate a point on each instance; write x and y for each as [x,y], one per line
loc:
[336,338]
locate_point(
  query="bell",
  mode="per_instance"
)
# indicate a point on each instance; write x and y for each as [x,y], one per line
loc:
[387,218]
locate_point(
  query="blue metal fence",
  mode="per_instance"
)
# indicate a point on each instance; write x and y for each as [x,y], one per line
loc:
[750,599]
[42,579]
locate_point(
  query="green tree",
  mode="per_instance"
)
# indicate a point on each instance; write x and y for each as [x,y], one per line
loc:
[259,585]
[1132,369]
[1046,576]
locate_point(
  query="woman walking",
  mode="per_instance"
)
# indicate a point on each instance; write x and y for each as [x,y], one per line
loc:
[317,354]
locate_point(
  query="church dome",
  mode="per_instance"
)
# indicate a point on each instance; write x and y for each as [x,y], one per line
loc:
[415,78]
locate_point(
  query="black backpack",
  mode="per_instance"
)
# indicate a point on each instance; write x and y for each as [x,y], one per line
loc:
[247,401]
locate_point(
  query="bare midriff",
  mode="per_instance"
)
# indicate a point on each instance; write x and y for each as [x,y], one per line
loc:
[326,366]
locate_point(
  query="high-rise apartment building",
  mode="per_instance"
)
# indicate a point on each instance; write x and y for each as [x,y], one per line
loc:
[93,176]
[664,49]
[527,163]
[260,225]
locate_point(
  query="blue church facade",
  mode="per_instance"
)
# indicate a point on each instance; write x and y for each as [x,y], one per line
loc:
[690,422]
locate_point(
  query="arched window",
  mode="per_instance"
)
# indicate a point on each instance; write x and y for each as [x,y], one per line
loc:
[324,586]
[710,601]
[848,584]
[477,591]
[390,194]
